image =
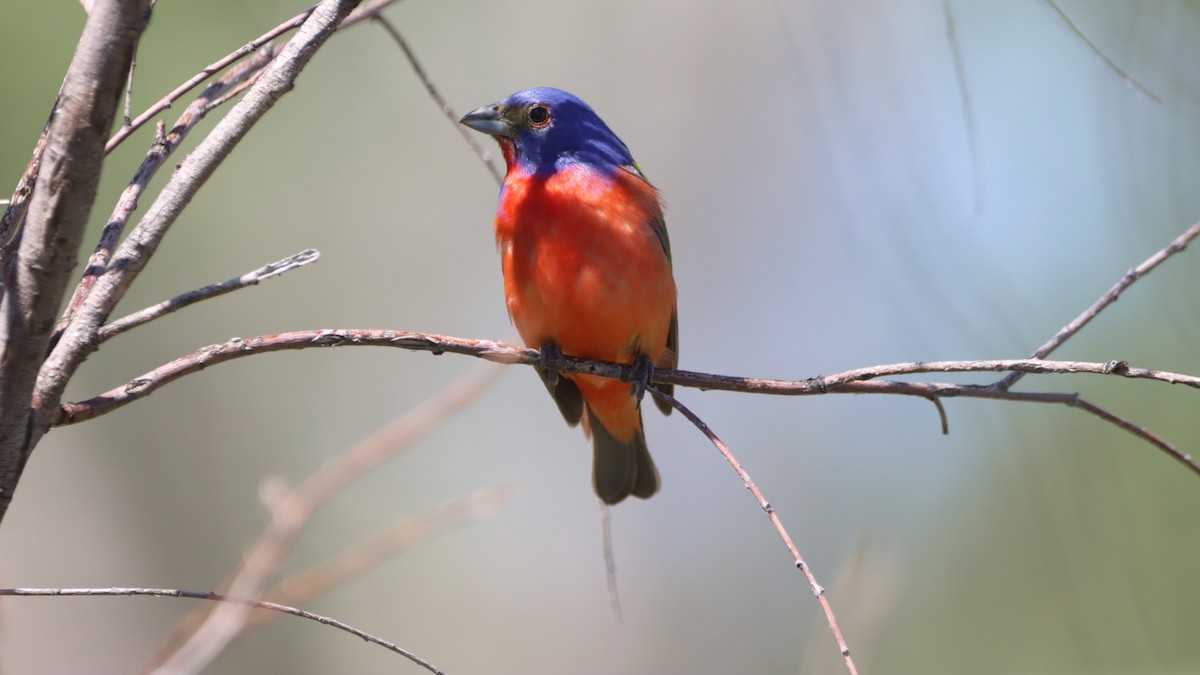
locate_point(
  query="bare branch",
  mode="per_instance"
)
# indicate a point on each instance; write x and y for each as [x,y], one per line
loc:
[817,589]
[208,71]
[1178,244]
[499,352]
[238,54]
[80,338]
[1139,431]
[356,561]
[292,513]
[127,118]
[63,195]
[447,110]
[1112,66]
[178,302]
[160,150]
[220,598]
[857,381]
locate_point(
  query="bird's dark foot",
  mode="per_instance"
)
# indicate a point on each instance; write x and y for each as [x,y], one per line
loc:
[641,375]
[549,354]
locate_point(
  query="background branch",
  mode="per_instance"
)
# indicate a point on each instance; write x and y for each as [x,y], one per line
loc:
[292,513]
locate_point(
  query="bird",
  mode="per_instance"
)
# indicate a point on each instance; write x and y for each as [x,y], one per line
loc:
[587,271]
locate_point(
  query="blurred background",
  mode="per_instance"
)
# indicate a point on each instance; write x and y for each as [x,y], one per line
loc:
[833,203]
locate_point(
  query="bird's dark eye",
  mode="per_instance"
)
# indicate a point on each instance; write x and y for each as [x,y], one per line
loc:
[539,115]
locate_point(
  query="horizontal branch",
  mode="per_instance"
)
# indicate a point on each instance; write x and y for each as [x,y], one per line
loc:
[857,381]
[204,595]
[499,352]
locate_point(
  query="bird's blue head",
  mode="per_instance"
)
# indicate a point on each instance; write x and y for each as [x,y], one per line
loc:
[543,130]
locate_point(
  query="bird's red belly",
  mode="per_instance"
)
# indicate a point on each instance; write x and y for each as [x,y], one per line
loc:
[584,269]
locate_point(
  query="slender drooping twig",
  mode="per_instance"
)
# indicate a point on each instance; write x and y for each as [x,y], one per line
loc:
[1112,66]
[797,559]
[218,597]
[1178,244]
[468,137]
[143,316]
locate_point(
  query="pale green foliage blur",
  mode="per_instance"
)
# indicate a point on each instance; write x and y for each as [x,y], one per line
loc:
[817,171]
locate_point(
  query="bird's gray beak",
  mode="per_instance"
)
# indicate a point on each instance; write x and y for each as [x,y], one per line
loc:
[488,120]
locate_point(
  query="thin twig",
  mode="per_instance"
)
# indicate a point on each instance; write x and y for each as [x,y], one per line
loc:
[162,147]
[293,511]
[221,598]
[127,118]
[1178,244]
[447,110]
[207,72]
[1137,430]
[79,339]
[182,300]
[233,57]
[1112,66]
[938,390]
[797,559]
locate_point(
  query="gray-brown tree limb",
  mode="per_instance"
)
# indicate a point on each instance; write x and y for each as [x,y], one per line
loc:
[857,381]
[61,201]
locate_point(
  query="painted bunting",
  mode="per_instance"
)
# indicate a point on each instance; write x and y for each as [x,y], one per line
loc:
[587,270]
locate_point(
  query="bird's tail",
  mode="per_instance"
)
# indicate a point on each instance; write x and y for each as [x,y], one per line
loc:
[620,468]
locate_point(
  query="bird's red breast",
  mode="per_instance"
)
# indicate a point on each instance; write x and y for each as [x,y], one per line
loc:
[585,268]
